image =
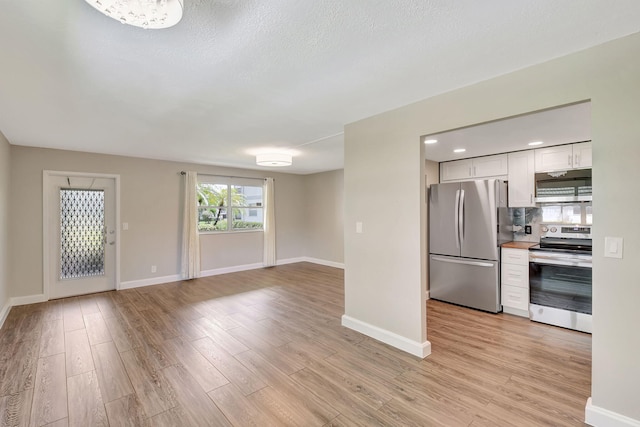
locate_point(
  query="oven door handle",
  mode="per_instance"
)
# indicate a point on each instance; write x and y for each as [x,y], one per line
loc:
[573,262]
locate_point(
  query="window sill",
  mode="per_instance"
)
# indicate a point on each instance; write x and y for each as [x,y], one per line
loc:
[210,233]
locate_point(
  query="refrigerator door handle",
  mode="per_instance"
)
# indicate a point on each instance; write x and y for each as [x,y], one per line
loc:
[458,261]
[456,219]
[460,212]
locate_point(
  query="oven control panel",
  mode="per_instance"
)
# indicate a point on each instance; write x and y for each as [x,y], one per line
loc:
[566,231]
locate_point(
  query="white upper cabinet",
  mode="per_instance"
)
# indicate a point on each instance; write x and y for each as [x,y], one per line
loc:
[490,166]
[455,171]
[554,158]
[582,155]
[563,157]
[521,179]
[479,167]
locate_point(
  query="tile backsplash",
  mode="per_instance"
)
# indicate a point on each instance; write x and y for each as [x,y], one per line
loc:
[526,216]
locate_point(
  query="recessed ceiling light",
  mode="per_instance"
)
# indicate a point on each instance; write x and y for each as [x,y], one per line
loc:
[459,150]
[430,141]
[536,143]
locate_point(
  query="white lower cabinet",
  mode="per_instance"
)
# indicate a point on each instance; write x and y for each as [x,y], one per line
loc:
[514,280]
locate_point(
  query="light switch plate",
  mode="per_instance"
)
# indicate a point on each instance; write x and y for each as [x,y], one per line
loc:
[613,247]
[125,225]
[358,227]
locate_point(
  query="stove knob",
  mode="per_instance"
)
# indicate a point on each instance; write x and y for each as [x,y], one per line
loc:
[544,229]
[553,229]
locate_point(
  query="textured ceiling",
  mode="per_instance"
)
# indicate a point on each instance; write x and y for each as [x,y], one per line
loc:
[237,76]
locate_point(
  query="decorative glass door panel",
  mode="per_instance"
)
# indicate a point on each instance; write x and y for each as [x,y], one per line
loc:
[82,233]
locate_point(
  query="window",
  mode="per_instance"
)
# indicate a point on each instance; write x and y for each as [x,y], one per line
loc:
[574,213]
[229,204]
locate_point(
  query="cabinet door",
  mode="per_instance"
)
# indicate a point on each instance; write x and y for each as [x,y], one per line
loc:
[515,275]
[456,170]
[554,158]
[490,166]
[521,179]
[515,297]
[582,155]
[515,256]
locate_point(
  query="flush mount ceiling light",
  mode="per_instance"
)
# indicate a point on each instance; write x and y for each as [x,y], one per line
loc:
[152,14]
[274,159]
[430,141]
[459,150]
[536,143]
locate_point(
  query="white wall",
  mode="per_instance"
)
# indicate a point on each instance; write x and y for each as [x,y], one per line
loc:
[384,265]
[325,213]
[150,204]
[5,168]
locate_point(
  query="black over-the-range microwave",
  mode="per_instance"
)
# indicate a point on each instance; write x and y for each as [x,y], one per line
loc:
[563,186]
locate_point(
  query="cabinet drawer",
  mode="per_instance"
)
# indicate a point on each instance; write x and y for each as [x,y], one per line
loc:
[515,256]
[515,297]
[515,275]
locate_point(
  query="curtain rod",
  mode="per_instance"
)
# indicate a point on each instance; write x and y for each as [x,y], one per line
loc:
[226,176]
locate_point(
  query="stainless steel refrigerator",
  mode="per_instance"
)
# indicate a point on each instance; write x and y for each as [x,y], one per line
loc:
[467,223]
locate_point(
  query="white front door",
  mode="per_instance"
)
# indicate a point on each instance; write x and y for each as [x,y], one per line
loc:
[82,234]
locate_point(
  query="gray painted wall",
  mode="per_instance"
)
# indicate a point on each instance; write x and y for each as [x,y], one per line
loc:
[325,213]
[385,269]
[5,170]
[150,204]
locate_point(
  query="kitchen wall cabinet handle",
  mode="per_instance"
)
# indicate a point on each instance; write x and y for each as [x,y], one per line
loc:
[569,160]
[576,160]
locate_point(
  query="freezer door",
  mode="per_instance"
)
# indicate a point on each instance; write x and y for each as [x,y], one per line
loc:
[479,231]
[443,219]
[468,282]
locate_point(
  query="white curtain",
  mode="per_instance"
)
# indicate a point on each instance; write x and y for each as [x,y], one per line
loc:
[190,238]
[269,253]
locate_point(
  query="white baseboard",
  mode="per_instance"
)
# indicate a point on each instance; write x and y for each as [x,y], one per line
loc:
[150,281]
[232,269]
[325,262]
[291,260]
[600,417]
[5,312]
[29,299]
[416,348]
[311,260]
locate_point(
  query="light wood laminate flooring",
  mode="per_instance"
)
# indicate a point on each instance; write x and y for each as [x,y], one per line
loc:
[266,348]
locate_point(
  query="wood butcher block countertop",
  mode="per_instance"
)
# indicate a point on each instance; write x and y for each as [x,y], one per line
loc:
[518,245]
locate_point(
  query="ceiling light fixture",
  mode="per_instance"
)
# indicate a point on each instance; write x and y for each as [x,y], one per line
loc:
[430,141]
[152,14]
[459,150]
[274,159]
[536,143]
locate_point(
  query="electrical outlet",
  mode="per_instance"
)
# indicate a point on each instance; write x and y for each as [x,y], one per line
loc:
[154,268]
[527,229]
